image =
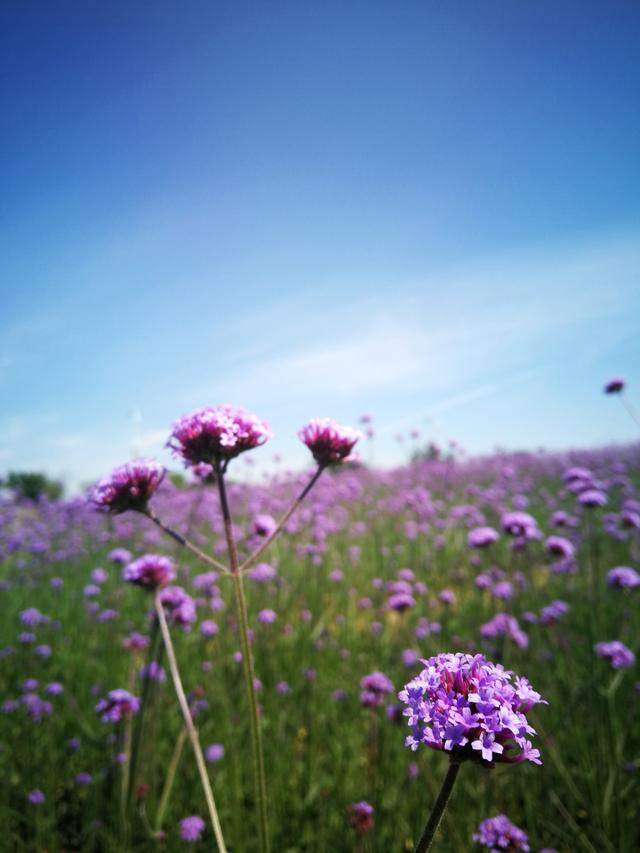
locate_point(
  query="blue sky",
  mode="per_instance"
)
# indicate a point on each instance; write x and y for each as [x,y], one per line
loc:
[426,211]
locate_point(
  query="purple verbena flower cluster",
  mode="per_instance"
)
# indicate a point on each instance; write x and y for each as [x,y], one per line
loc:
[117,704]
[504,625]
[329,442]
[375,687]
[498,833]
[467,706]
[361,817]
[191,828]
[128,487]
[482,537]
[150,571]
[616,653]
[179,606]
[623,577]
[216,433]
[614,386]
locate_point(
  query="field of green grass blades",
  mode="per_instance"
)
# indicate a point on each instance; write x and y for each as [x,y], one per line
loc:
[529,560]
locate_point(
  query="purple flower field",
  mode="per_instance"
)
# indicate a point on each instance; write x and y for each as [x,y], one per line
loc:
[439,656]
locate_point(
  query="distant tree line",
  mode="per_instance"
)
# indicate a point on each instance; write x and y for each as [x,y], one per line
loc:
[429,453]
[32,485]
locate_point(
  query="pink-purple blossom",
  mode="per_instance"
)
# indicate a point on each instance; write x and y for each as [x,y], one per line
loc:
[214,753]
[263,525]
[128,487]
[267,616]
[329,442]
[150,571]
[191,828]
[216,433]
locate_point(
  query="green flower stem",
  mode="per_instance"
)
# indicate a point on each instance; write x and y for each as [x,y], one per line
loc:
[251,559]
[248,668]
[138,729]
[171,775]
[182,540]
[426,839]
[189,724]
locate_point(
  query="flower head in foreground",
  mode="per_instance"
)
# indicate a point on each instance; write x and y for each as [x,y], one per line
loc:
[361,817]
[116,705]
[128,487]
[614,386]
[150,571]
[467,706]
[191,828]
[498,833]
[618,655]
[329,442]
[216,433]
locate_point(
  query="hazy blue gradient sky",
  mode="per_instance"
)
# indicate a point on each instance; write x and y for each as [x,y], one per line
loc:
[428,211]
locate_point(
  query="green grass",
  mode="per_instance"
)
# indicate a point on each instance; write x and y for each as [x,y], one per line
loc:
[322,755]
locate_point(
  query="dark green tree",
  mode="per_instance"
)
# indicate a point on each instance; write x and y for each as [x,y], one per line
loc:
[33,485]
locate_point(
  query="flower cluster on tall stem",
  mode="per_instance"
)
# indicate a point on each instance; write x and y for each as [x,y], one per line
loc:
[247,665]
[206,441]
[473,710]
[188,721]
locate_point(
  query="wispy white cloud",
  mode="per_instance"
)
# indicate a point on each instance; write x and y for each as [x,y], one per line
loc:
[428,352]
[451,328]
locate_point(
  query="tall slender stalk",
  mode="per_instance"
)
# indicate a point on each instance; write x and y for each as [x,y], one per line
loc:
[632,412]
[136,741]
[170,778]
[124,776]
[236,571]
[296,503]
[428,833]
[248,667]
[188,720]
[186,543]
